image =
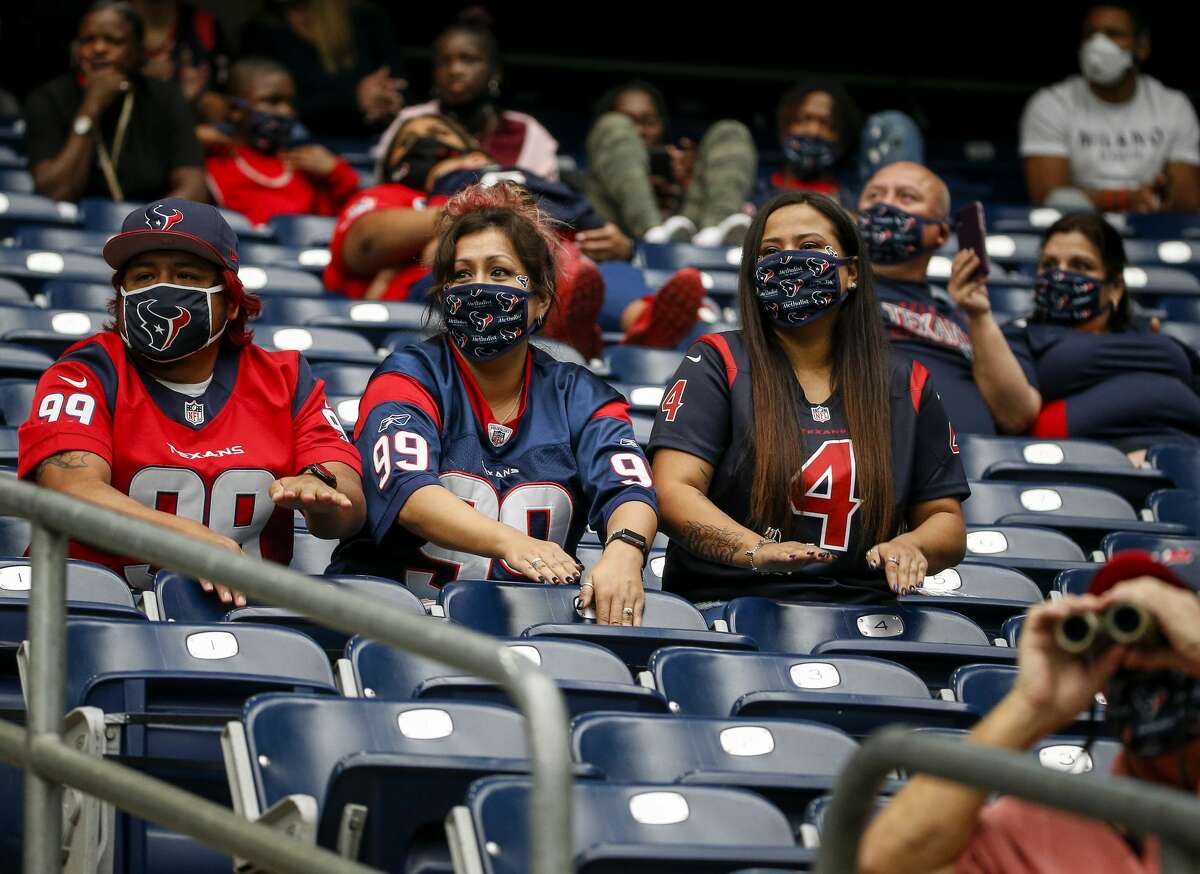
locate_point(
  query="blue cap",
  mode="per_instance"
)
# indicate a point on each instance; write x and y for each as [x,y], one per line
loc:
[175,223]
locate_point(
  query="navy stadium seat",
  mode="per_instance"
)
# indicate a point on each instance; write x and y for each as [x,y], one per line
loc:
[535,611]
[346,407]
[673,256]
[787,761]
[16,400]
[344,379]
[985,594]
[1182,309]
[1011,630]
[18,209]
[14,535]
[818,808]
[273,255]
[1083,513]
[1156,282]
[310,554]
[1074,581]
[317,344]
[1019,219]
[1006,249]
[14,294]
[637,364]
[857,694]
[67,294]
[178,598]
[1180,463]
[590,553]
[1067,753]
[408,763]
[1181,506]
[16,180]
[1039,553]
[590,677]
[980,688]
[102,214]
[558,350]
[930,641]
[630,828]
[1170,252]
[303,231]
[642,398]
[1079,462]
[1119,541]
[9,446]
[1184,332]
[49,331]
[373,319]
[408,337]
[62,239]
[32,267]
[272,282]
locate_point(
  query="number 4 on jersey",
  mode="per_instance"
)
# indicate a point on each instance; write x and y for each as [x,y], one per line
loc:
[673,400]
[825,490]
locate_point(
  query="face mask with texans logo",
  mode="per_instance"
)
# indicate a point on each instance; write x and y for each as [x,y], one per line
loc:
[1066,297]
[166,322]
[798,286]
[487,319]
[894,235]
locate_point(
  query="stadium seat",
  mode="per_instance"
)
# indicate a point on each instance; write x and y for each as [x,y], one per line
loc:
[1181,506]
[22,362]
[406,763]
[536,611]
[1083,513]
[1074,581]
[15,180]
[1169,252]
[66,294]
[317,344]
[787,761]
[373,319]
[1157,283]
[1119,541]
[273,255]
[102,214]
[629,827]
[178,598]
[857,694]
[1066,753]
[14,294]
[1010,631]
[408,337]
[642,398]
[590,677]
[642,427]
[1017,219]
[636,364]
[558,350]
[1010,302]
[303,231]
[18,209]
[818,808]
[673,256]
[16,401]
[985,594]
[980,688]
[14,535]
[32,267]
[1039,553]
[1079,462]
[346,407]
[61,239]
[310,554]
[1009,250]
[1186,333]
[1182,309]
[49,331]
[590,553]
[344,379]
[1180,463]
[274,282]
[930,641]
[9,446]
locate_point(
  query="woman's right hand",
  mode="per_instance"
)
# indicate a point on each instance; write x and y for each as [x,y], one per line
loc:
[789,556]
[224,593]
[540,560]
[968,286]
[102,88]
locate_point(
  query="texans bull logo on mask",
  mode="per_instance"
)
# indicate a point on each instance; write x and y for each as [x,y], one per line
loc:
[162,330]
[790,287]
[510,335]
[816,265]
[480,321]
[158,219]
[507,301]
[453,304]
[764,275]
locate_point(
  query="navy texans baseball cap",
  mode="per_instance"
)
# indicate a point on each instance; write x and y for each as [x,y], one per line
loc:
[175,223]
[1179,566]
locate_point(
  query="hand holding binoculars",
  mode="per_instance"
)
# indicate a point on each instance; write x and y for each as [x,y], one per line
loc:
[1122,624]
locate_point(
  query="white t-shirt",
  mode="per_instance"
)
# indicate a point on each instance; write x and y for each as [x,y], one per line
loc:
[1111,145]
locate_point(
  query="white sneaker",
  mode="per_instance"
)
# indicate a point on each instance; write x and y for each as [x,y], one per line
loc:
[677,227]
[730,231]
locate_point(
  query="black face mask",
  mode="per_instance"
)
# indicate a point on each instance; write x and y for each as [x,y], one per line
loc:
[422,156]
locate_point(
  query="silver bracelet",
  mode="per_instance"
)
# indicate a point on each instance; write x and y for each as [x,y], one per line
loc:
[772,536]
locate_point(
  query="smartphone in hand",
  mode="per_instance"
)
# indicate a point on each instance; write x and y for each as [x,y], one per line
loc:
[971,229]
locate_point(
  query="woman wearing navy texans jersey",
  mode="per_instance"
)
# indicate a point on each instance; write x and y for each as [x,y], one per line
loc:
[485,457]
[1086,368]
[173,416]
[792,458]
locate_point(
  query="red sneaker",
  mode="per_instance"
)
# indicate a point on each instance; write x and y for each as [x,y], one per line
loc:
[671,314]
[575,320]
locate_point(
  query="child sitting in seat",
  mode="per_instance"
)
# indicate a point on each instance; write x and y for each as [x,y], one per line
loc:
[259,171]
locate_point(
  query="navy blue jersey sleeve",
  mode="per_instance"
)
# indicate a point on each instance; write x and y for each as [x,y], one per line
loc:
[398,437]
[937,468]
[694,416]
[1018,341]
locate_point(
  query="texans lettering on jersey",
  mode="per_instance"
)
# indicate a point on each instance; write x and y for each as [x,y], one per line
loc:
[707,412]
[211,459]
[568,459]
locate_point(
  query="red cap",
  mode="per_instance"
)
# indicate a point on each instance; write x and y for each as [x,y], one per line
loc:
[1176,566]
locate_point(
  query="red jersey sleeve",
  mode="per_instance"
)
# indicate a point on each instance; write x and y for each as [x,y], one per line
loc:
[72,409]
[319,437]
[336,189]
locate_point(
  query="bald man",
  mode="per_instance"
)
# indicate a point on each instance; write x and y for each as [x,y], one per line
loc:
[904,211]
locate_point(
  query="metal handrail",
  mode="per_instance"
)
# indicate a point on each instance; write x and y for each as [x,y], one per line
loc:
[1139,806]
[56,516]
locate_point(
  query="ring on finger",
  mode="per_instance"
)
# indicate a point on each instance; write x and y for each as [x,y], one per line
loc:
[893,559]
[535,562]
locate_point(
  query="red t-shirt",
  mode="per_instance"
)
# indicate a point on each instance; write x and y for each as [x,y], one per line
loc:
[391,196]
[261,186]
[781,182]
[506,141]
[211,458]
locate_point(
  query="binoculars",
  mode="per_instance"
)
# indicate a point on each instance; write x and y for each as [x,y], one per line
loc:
[1120,624]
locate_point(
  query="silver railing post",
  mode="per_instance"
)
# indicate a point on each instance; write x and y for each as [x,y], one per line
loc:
[48,664]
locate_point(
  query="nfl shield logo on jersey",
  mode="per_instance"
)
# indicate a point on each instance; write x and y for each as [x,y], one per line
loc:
[499,434]
[193,412]
[820,414]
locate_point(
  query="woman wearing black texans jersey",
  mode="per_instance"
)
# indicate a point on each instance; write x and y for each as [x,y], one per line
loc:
[792,458]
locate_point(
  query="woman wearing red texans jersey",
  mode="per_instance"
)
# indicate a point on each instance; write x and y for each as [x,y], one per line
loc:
[792,458]
[173,416]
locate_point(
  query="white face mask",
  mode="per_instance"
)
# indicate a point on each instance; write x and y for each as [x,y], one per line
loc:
[1103,61]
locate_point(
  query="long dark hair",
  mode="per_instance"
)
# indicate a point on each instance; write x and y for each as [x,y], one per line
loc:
[1108,244]
[861,371]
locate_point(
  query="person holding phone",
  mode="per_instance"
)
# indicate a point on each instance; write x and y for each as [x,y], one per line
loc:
[107,130]
[793,458]
[1084,366]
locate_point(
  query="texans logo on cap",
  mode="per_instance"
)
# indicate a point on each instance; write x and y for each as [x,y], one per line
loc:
[158,219]
[480,321]
[162,330]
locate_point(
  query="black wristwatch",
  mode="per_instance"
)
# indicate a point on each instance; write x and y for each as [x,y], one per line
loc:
[633,539]
[321,472]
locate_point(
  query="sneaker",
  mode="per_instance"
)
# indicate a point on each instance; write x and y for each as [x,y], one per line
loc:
[729,232]
[575,319]
[674,229]
[669,315]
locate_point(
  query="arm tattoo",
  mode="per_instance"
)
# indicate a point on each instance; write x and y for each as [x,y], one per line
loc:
[64,460]
[709,541]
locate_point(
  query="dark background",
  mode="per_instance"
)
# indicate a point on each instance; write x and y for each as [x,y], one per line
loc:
[963,70]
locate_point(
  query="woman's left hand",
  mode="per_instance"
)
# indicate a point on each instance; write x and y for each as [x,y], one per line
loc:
[615,586]
[903,564]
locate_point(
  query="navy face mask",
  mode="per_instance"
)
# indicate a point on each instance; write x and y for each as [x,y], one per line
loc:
[808,155]
[1153,713]
[485,320]
[166,322]
[423,155]
[798,286]
[1067,297]
[267,132]
[894,236]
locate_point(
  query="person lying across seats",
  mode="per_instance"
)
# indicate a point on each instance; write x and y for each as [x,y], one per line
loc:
[486,456]
[792,458]
[1084,365]
[172,415]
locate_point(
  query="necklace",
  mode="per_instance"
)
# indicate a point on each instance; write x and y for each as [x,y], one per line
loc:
[255,176]
[511,408]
